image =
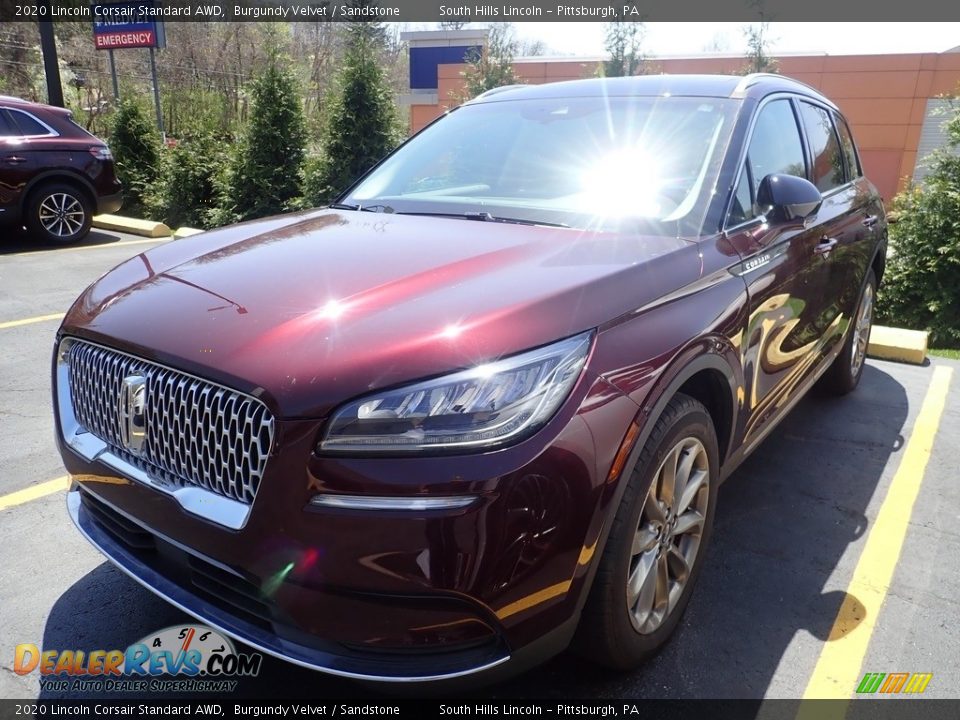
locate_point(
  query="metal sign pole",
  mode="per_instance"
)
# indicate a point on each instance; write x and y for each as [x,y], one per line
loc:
[51,68]
[156,92]
[113,74]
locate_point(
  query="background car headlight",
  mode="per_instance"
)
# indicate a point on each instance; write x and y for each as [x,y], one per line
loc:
[484,406]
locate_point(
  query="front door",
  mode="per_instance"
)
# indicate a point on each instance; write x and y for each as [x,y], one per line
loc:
[784,270]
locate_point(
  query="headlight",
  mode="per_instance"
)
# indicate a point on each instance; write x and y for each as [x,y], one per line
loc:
[486,406]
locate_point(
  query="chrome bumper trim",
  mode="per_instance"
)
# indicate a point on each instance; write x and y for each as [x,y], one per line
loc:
[372,502]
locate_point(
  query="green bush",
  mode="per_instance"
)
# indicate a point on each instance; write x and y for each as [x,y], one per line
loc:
[362,125]
[921,285]
[265,174]
[189,193]
[136,146]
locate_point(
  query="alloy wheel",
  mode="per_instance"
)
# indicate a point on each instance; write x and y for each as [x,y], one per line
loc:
[61,214]
[668,535]
[861,330]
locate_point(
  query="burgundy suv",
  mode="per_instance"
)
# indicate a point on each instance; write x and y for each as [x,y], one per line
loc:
[54,175]
[479,408]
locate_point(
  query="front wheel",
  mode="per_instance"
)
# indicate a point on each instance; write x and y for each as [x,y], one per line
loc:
[844,374]
[657,541]
[59,213]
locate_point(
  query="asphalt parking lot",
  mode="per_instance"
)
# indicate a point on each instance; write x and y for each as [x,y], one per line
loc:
[792,549]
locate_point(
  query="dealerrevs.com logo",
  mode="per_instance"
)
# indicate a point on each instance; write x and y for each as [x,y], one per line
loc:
[181,658]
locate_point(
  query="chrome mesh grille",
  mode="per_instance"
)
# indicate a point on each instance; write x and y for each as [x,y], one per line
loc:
[197,433]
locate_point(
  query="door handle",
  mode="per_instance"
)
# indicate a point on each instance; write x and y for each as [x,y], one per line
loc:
[825,246]
[870,220]
[15,159]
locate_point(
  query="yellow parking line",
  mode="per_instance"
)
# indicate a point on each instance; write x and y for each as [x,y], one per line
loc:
[34,492]
[838,667]
[30,320]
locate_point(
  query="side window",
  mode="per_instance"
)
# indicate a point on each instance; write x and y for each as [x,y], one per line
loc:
[6,128]
[27,125]
[824,147]
[849,149]
[775,147]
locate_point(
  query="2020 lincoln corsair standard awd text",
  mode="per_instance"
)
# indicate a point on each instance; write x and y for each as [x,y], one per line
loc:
[479,408]
[54,175]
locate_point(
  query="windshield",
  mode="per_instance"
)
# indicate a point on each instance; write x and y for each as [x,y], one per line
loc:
[583,162]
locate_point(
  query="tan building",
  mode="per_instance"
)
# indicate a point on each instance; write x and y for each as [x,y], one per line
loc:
[891,101]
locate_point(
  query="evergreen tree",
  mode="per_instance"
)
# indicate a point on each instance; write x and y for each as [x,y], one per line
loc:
[362,125]
[265,177]
[135,144]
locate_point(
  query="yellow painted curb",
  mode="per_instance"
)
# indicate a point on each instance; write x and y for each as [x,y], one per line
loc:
[134,226]
[185,232]
[887,343]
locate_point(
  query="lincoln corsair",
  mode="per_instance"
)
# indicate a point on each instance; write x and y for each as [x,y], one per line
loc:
[54,175]
[478,409]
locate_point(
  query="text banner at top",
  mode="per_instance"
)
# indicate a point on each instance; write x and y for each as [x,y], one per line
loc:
[485,12]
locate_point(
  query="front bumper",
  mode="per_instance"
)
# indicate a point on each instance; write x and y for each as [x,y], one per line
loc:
[422,668]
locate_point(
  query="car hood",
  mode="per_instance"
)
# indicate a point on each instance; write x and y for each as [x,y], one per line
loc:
[310,309]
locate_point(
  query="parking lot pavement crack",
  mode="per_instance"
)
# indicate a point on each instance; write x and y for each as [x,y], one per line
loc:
[25,416]
[935,529]
[910,595]
[833,440]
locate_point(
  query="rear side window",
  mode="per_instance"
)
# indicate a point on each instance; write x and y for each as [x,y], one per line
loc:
[27,125]
[849,149]
[824,147]
[775,145]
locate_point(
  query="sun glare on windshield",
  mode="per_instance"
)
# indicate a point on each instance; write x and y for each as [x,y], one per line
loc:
[578,162]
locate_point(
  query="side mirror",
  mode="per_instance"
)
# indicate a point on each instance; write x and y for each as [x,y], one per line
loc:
[789,198]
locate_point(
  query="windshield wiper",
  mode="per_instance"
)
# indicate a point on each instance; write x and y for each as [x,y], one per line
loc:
[487,217]
[481,216]
[361,208]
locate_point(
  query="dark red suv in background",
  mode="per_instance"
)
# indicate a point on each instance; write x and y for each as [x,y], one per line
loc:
[479,407]
[54,175]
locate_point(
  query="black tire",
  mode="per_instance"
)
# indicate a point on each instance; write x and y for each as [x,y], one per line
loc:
[607,634]
[59,214]
[843,376]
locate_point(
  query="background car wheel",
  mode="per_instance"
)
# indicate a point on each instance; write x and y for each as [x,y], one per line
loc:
[844,374]
[59,214]
[657,541]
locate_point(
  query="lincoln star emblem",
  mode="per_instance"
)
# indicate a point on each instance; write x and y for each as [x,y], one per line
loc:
[132,412]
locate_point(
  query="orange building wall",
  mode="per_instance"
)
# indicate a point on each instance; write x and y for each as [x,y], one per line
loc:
[884,97]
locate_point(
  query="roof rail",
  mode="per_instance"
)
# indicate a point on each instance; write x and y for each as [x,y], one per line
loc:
[497,91]
[749,80]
